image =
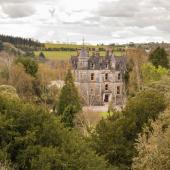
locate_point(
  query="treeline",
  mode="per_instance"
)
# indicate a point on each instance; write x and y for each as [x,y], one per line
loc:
[22,43]
[69,49]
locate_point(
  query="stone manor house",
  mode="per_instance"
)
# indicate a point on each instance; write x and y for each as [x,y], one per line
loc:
[100,79]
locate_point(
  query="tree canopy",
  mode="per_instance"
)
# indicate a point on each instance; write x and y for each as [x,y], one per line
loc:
[32,138]
[159,57]
[115,137]
[153,146]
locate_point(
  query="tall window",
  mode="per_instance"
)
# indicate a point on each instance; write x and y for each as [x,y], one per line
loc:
[118,89]
[106,65]
[106,76]
[119,76]
[106,87]
[92,76]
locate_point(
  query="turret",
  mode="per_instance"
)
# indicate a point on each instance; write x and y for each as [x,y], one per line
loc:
[83,59]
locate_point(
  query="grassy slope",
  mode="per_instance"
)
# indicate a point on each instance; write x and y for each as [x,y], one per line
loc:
[57,55]
[64,55]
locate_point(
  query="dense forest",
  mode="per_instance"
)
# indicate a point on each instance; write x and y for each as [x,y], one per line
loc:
[23,43]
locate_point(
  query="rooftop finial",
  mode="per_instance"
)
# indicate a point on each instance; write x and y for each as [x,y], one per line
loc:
[83,42]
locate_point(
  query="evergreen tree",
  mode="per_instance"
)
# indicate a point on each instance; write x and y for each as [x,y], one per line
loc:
[30,65]
[68,116]
[1,46]
[69,96]
[159,57]
[42,55]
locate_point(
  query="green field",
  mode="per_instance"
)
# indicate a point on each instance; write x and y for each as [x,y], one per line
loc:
[57,55]
[65,55]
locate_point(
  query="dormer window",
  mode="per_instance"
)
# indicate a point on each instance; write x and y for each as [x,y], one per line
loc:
[92,76]
[106,76]
[106,87]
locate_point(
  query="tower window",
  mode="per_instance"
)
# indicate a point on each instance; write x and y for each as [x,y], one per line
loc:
[118,89]
[106,76]
[106,87]
[92,76]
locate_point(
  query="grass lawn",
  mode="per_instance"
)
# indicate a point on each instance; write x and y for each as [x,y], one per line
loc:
[105,114]
[65,55]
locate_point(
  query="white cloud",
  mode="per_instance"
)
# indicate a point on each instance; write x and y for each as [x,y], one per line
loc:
[96,20]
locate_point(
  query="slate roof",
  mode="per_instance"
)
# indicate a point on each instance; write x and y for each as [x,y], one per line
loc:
[96,62]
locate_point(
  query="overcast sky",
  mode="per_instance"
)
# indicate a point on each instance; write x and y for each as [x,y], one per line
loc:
[107,21]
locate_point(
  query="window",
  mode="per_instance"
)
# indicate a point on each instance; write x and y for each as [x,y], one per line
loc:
[106,87]
[106,65]
[106,76]
[92,65]
[119,76]
[106,98]
[118,89]
[92,76]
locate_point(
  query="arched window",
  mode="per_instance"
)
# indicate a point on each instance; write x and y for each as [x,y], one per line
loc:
[92,76]
[106,86]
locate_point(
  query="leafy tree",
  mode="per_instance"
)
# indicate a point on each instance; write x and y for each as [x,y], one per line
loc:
[69,98]
[159,58]
[151,73]
[34,139]
[154,147]
[30,65]
[115,137]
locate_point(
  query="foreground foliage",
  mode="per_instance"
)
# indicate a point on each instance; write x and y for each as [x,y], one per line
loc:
[153,146]
[115,136]
[31,138]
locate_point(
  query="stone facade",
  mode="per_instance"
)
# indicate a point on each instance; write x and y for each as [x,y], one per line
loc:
[100,79]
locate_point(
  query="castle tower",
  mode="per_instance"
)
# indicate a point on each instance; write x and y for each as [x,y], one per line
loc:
[83,58]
